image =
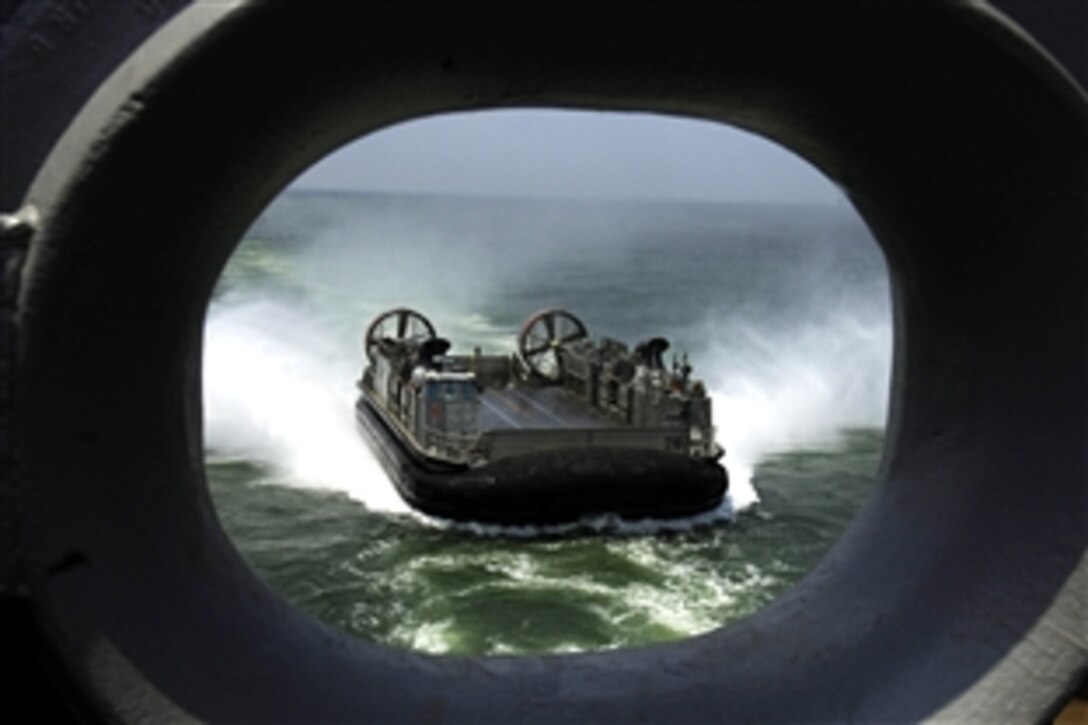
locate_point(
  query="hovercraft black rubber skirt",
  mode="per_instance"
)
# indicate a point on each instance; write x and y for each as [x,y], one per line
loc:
[548,487]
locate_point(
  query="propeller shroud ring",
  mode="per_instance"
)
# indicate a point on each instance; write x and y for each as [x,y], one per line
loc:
[541,336]
[407,324]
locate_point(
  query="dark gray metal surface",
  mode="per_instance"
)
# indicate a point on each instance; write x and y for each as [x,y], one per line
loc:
[958,593]
[53,56]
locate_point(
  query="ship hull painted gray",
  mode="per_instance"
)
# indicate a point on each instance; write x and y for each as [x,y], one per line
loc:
[546,487]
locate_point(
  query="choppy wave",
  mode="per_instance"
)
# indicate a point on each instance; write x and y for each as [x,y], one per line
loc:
[793,341]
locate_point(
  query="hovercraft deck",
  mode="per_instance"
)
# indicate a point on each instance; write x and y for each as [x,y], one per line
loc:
[527,408]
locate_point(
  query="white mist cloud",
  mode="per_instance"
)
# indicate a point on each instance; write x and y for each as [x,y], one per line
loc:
[776,390]
[274,391]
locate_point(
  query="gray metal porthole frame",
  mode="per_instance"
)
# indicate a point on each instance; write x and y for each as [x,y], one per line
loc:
[958,593]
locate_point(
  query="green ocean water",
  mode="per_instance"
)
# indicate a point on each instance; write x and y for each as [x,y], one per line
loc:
[782,310]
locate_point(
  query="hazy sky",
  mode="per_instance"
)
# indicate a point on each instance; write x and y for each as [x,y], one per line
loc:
[564,154]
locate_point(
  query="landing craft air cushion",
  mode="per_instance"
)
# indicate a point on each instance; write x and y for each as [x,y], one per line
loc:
[564,428]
